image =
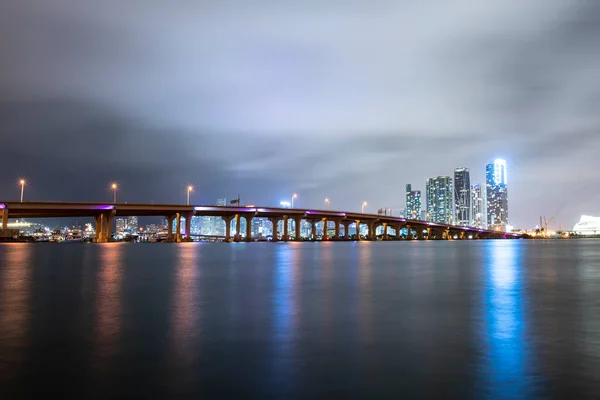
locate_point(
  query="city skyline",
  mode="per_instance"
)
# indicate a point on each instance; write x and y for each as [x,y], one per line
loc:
[251,101]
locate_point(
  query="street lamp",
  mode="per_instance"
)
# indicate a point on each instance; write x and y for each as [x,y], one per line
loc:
[22,182]
[362,209]
[294,196]
[190,189]
[114,187]
[328,204]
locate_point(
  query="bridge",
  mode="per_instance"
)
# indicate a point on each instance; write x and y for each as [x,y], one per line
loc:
[103,214]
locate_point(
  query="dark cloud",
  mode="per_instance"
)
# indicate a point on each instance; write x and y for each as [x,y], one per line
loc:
[335,99]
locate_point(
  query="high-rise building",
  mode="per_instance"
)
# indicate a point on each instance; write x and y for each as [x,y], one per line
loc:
[477,210]
[497,195]
[413,203]
[132,223]
[439,199]
[120,224]
[462,196]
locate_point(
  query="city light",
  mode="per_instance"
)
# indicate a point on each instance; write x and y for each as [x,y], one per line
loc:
[114,186]
[22,183]
[294,196]
[328,204]
[362,209]
[286,204]
[190,189]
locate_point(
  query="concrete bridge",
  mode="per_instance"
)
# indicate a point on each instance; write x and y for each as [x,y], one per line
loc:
[103,214]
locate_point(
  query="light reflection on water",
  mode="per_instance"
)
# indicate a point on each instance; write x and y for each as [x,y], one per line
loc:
[506,353]
[108,301]
[15,292]
[496,319]
[186,312]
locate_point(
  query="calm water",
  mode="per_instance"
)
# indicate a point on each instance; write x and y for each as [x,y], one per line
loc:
[481,319]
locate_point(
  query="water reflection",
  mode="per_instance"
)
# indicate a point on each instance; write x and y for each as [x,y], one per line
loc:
[365,299]
[325,267]
[15,293]
[186,329]
[108,300]
[505,364]
[285,313]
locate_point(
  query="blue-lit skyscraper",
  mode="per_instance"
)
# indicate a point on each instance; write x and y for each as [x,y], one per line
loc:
[413,203]
[497,195]
[439,199]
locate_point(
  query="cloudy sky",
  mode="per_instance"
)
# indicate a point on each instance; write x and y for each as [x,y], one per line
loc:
[343,99]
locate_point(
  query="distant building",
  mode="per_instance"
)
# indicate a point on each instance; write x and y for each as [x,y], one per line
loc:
[497,195]
[587,226]
[439,199]
[132,223]
[413,203]
[462,197]
[121,224]
[477,204]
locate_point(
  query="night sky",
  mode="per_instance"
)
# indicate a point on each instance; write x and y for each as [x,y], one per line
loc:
[343,99]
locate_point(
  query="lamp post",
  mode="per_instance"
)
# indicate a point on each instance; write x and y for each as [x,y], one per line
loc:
[328,204]
[294,196]
[362,209]
[190,189]
[114,187]
[22,182]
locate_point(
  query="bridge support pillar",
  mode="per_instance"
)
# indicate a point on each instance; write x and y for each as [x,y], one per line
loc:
[337,229]
[462,236]
[98,219]
[313,227]
[398,228]
[178,227]
[346,230]
[408,232]
[286,229]
[237,228]
[188,225]
[249,219]
[5,218]
[448,234]
[358,230]
[275,231]
[385,231]
[297,226]
[227,220]
[107,226]
[420,234]
[325,236]
[372,227]
[170,220]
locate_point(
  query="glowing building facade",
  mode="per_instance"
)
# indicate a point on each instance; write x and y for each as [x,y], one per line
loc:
[413,203]
[497,195]
[439,199]
[477,204]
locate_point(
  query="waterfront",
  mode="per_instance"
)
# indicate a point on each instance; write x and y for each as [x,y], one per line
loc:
[453,319]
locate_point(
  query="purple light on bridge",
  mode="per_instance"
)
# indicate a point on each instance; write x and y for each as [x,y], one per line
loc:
[107,207]
[2,206]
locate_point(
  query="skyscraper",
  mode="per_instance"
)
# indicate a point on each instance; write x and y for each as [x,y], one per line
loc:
[497,195]
[413,203]
[439,199]
[132,223]
[462,196]
[477,212]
